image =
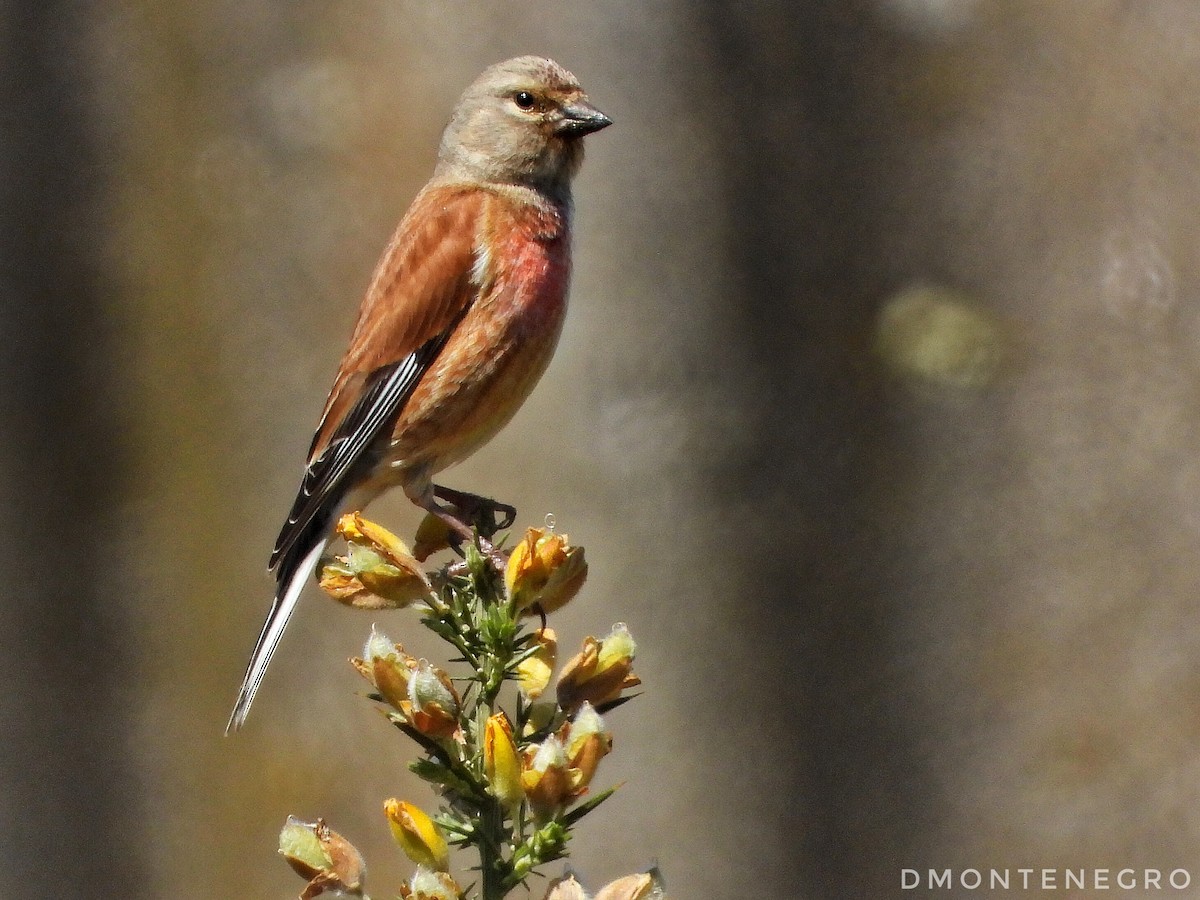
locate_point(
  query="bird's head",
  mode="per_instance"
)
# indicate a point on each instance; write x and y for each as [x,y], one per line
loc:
[521,122]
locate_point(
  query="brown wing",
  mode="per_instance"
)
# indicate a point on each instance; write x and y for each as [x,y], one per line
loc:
[420,290]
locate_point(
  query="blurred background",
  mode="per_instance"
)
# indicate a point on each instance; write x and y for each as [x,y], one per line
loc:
[876,411]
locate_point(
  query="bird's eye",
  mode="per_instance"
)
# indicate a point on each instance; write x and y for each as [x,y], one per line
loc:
[524,99]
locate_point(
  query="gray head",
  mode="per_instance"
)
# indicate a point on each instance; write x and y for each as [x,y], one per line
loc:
[521,122]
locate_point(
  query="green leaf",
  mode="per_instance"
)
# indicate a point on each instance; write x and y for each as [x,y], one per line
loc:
[450,778]
[576,813]
[613,704]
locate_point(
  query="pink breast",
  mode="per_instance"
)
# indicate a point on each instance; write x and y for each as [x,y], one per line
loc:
[497,353]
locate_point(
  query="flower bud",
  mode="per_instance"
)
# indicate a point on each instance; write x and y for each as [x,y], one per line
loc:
[565,888]
[500,761]
[426,884]
[549,782]
[586,742]
[643,886]
[377,572]
[322,856]
[616,649]
[387,667]
[433,534]
[541,716]
[434,701]
[599,672]
[533,672]
[418,836]
[544,571]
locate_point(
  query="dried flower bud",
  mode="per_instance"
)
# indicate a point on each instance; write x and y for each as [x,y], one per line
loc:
[586,742]
[533,672]
[426,884]
[644,886]
[500,761]
[418,836]
[387,667]
[422,693]
[322,856]
[303,850]
[565,888]
[599,672]
[544,571]
[434,701]
[377,572]
[618,648]
[549,781]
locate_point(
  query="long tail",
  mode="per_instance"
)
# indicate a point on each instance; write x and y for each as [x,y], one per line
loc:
[290,585]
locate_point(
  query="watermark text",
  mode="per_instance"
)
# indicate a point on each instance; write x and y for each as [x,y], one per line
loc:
[1046,879]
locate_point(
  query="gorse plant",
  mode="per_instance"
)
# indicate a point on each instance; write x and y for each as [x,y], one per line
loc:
[511,762]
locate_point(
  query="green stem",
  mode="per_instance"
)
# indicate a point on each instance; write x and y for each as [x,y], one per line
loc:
[491,855]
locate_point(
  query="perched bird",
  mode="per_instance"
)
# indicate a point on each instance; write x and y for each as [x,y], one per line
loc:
[460,320]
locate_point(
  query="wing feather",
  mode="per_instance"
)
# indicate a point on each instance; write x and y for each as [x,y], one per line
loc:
[421,289]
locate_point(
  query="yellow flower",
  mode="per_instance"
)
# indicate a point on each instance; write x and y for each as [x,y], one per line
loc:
[544,571]
[377,572]
[540,716]
[418,836]
[600,671]
[533,672]
[500,761]
[323,857]
[433,535]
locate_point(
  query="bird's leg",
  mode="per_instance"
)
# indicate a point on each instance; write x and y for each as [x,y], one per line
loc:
[464,530]
[487,515]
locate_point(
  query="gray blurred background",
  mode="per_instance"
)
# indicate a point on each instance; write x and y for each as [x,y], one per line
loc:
[876,411]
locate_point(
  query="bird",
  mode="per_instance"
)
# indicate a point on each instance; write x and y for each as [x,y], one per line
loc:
[460,320]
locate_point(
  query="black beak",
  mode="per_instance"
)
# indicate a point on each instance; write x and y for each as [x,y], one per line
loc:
[581,118]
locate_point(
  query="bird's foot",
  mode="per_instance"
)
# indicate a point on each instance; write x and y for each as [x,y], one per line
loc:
[485,515]
[472,519]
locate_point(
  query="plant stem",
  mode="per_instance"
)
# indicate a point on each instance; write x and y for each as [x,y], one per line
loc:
[491,859]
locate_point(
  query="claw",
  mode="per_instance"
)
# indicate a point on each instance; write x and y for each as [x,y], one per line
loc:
[472,518]
[510,515]
[486,515]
